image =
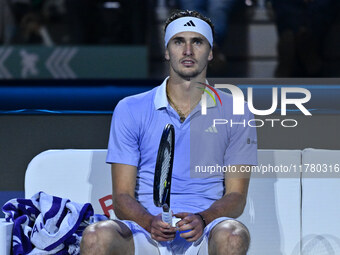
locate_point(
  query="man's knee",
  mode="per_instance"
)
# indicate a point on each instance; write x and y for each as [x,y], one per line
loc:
[229,237]
[106,236]
[98,232]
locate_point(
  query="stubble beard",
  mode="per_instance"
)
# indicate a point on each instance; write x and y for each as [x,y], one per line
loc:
[188,75]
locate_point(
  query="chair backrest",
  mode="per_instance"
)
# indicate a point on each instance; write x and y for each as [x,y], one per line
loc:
[80,175]
[320,201]
[272,213]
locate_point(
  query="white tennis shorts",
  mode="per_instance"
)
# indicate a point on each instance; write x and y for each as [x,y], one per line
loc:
[145,245]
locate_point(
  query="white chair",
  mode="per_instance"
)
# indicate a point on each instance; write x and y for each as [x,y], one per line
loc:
[272,214]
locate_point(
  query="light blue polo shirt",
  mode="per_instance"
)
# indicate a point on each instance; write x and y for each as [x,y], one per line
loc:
[136,129]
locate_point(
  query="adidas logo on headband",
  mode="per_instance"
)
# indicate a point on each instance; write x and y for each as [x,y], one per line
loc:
[190,24]
[186,24]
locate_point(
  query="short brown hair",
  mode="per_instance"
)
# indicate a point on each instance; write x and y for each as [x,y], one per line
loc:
[180,13]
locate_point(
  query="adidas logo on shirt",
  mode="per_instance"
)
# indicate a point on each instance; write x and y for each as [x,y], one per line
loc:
[190,24]
[211,129]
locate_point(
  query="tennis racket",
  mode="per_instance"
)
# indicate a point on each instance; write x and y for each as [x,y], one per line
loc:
[163,172]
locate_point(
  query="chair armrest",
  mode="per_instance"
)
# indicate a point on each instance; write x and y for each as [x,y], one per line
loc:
[5,236]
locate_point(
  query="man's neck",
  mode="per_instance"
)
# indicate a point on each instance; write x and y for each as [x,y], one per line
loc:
[185,90]
[183,95]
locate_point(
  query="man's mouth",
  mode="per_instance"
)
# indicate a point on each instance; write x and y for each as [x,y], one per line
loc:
[188,62]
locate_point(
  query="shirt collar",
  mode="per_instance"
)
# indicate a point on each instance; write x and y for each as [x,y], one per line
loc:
[161,100]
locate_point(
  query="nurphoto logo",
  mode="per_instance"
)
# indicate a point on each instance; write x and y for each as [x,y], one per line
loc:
[239,99]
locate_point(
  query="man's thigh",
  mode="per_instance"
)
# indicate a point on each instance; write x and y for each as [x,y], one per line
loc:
[144,244]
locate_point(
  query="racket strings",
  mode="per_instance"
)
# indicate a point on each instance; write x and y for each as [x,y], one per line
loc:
[164,171]
[163,168]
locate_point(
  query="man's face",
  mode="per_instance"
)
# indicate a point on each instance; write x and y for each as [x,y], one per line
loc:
[189,54]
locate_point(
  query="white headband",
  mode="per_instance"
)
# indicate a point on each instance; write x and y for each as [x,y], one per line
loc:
[188,24]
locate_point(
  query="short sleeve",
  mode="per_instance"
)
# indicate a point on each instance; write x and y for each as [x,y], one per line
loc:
[123,145]
[242,148]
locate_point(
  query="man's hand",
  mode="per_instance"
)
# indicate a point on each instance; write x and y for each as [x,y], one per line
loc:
[161,231]
[190,222]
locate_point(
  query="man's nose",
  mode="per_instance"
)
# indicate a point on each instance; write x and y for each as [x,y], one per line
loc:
[188,49]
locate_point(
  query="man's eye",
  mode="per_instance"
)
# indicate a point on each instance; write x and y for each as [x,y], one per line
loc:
[177,42]
[198,42]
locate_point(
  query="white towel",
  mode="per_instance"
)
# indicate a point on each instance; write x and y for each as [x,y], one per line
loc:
[47,224]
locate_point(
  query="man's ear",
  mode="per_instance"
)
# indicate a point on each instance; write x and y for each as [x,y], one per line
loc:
[166,55]
[211,56]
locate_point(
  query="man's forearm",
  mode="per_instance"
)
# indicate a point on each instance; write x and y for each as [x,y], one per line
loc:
[230,205]
[127,208]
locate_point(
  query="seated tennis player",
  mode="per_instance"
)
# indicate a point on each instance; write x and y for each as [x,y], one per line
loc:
[204,200]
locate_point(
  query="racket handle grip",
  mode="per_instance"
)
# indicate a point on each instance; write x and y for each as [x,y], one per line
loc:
[167,214]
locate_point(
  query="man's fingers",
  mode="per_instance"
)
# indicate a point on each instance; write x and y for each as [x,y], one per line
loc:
[186,220]
[164,227]
[193,227]
[181,223]
[189,235]
[181,215]
[157,235]
[163,224]
[170,230]
[185,227]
